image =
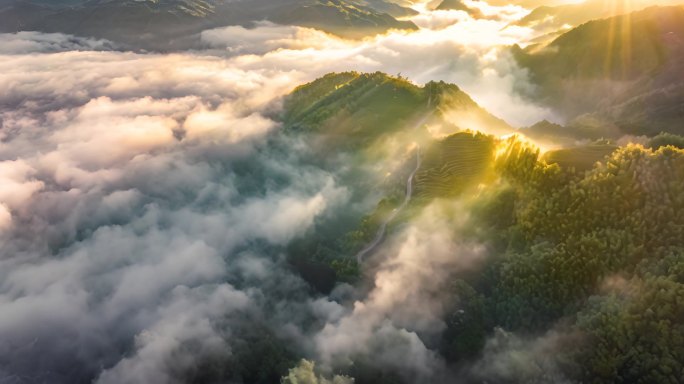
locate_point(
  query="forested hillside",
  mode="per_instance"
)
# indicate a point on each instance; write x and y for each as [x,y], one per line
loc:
[623,70]
[600,252]
[585,243]
[454,164]
[354,106]
[361,125]
[550,17]
[477,192]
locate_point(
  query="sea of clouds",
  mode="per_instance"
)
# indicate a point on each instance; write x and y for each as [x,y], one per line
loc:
[144,214]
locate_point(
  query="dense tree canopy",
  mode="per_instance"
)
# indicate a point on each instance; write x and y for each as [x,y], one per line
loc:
[603,249]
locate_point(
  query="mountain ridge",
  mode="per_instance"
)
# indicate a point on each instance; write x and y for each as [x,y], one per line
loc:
[339,96]
[622,70]
[175,24]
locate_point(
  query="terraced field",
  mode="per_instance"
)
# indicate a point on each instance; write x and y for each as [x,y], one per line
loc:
[580,158]
[454,163]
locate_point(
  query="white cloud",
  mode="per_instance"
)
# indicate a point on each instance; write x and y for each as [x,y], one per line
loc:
[405,301]
[139,210]
[124,218]
[450,46]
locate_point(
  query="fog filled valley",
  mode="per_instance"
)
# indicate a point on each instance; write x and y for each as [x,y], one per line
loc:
[342,191]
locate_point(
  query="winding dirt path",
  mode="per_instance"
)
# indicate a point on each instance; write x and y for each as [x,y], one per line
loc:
[379,236]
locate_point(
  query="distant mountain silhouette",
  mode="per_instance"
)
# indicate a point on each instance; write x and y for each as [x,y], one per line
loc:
[175,24]
[624,70]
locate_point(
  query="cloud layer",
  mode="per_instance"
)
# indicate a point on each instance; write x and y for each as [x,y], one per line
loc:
[127,224]
[406,302]
[450,46]
[143,216]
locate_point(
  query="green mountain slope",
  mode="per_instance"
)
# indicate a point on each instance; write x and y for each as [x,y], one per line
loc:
[366,127]
[580,158]
[454,164]
[362,107]
[624,70]
[549,18]
[584,244]
[600,251]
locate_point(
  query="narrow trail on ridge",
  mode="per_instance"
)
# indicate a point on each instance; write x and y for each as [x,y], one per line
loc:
[380,234]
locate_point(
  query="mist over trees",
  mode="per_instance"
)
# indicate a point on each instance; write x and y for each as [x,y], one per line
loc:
[222,216]
[595,256]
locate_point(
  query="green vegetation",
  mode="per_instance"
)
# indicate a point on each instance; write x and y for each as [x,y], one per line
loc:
[623,71]
[453,164]
[664,139]
[581,129]
[354,106]
[622,48]
[375,119]
[581,158]
[638,335]
[603,250]
[585,241]
[590,237]
[304,373]
[354,110]
[258,357]
[466,324]
[549,18]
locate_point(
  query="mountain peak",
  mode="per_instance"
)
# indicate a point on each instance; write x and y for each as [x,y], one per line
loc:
[367,105]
